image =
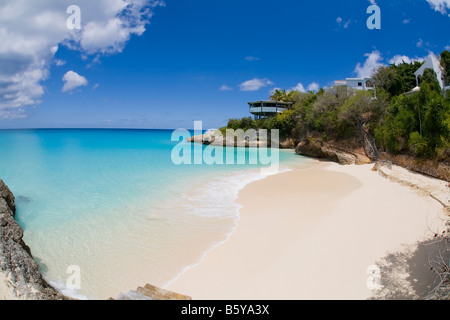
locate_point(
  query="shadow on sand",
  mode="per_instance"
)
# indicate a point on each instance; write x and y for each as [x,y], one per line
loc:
[418,271]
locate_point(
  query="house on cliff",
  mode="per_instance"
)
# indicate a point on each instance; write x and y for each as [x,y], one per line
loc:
[366,83]
[434,64]
[264,109]
[357,83]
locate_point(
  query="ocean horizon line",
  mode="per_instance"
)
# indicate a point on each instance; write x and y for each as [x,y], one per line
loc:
[125,129]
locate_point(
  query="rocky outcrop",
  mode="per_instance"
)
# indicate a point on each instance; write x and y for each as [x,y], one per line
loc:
[433,168]
[316,148]
[216,139]
[16,261]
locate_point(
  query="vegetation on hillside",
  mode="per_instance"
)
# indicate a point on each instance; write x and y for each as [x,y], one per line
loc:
[402,121]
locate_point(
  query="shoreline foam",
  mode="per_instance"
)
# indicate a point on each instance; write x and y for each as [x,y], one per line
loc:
[255,175]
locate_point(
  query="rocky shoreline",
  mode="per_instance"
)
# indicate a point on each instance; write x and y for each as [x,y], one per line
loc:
[345,152]
[317,148]
[16,261]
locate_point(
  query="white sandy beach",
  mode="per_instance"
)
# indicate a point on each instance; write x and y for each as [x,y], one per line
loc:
[313,233]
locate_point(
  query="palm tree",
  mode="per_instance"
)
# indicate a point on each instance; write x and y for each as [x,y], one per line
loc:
[281,95]
[278,95]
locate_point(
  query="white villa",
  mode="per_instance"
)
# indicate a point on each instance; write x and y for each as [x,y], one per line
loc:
[357,83]
[434,64]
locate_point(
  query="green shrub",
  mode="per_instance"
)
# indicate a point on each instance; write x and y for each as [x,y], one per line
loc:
[418,145]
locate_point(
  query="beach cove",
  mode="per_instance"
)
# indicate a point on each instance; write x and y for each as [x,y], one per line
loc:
[312,231]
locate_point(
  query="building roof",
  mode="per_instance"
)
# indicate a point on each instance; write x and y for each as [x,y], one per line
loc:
[271,102]
[358,79]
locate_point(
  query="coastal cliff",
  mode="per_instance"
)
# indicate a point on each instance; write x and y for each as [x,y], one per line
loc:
[16,261]
[337,152]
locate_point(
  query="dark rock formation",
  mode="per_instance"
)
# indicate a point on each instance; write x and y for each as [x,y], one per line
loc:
[316,148]
[16,261]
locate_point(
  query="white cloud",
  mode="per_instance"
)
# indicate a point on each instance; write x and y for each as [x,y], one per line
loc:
[339,20]
[447,47]
[59,62]
[251,58]
[255,84]
[31,31]
[440,5]
[72,81]
[419,43]
[372,63]
[399,59]
[406,21]
[311,87]
[299,87]
[225,88]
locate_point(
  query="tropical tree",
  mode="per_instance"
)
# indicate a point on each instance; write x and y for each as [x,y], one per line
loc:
[281,95]
[429,78]
[278,95]
[362,109]
[386,78]
[397,79]
[445,63]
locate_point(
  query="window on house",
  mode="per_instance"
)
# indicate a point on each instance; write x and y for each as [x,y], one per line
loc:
[359,84]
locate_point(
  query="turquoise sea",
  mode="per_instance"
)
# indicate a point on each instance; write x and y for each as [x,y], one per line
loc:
[114,205]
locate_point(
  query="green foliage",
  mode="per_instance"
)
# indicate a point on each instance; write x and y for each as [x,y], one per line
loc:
[362,108]
[281,95]
[402,118]
[401,121]
[436,115]
[445,63]
[397,79]
[429,78]
[418,124]
[244,123]
[387,79]
[418,144]
[223,131]
[443,150]
[285,122]
[325,111]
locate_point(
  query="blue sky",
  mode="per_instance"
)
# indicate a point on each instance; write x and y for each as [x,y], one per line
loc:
[187,60]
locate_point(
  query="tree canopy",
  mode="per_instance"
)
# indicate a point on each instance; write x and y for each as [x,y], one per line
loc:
[401,120]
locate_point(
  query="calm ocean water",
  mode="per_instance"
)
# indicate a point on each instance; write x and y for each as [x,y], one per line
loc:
[112,203]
